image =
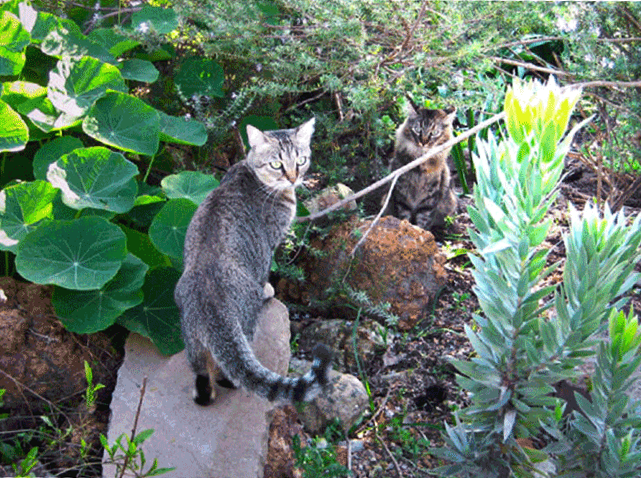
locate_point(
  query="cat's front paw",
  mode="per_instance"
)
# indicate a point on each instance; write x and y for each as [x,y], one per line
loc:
[268,291]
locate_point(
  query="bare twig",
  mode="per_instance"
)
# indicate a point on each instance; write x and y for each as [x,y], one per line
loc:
[529,66]
[402,170]
[377,218]
[626,194]
[410,34]
[610,84]
[133,430]
[398,468]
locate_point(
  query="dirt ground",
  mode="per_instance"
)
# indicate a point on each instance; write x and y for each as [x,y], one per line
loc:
[412,385]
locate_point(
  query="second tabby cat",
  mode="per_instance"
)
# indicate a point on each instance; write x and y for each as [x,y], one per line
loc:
[423,195]
[228,254]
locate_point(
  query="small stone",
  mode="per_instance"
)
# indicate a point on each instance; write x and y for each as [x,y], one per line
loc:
[345,398]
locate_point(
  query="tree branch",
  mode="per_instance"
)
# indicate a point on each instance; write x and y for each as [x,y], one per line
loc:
[402,170]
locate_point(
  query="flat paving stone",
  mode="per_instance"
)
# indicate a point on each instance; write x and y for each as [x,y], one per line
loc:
[227,439]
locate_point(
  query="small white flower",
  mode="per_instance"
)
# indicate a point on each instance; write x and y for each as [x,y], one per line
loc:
[143,27]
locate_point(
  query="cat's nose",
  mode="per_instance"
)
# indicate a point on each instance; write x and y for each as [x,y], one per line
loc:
[291,177]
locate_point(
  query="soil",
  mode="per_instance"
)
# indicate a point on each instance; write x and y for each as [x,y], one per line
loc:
[412,385]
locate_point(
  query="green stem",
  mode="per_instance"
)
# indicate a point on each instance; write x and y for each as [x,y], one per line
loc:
[361,372]
[144,180]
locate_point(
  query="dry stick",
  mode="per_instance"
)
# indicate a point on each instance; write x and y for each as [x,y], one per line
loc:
[378,216]
[404,169]
[133,430]
[529,66]
[398,468]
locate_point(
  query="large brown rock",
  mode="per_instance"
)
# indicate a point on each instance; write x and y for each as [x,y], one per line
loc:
[228,438]
[398,263]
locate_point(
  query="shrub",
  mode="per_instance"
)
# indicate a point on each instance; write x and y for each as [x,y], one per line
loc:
[77,214]
[526,341]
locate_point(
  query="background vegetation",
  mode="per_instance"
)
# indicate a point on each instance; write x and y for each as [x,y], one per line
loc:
[217,65]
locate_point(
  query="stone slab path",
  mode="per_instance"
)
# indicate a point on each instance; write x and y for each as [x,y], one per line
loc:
[227,439]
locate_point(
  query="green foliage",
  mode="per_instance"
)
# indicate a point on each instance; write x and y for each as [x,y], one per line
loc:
[532,336]
[128,456]
[90,393]
[88,223]
[318,459]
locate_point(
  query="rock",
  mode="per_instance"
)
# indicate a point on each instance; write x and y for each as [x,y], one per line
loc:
[328,197]
[337,334]
[345,398]
[231,434]
[398,263]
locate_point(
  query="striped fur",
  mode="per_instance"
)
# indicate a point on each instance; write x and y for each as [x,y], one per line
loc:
[423,195]
[228,252]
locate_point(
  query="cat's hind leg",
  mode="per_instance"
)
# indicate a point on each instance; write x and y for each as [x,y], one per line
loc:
[197,357]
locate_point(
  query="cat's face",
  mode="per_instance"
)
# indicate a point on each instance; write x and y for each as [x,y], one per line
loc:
[280,158]
[427,128]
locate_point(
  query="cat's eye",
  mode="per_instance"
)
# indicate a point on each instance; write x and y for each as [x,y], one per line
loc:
[301,160]
[276,164]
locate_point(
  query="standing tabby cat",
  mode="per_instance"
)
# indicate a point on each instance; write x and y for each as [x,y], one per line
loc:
[423,195]
[228,252]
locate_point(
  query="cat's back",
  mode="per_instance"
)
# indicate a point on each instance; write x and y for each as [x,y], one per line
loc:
[220,219]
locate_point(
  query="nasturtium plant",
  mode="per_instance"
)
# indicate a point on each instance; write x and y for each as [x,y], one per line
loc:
[103,305]
[200,76]
[14,38]
[82,254]
[124,122]
[22,207]
[88,224]
[51,151]
[157,316]
[14,133]
[191,185]
[167,231]
[75,84]
[95,178]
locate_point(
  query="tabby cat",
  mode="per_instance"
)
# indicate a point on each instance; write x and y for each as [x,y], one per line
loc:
[228,253]
[423,195]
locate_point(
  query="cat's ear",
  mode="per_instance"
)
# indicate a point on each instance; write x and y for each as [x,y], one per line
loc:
[412,108]
[255,137]
[450,111]
[304,132]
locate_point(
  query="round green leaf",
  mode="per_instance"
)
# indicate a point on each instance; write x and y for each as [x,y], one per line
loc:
[14,133]
[48,22]
[66,41]
[21,94]
[95,178]
[168,229]
[114,42]
[86,312]
[124,122]
[191,185]
[263,123]
[22,207]
[74,84]
[46,117]
[139,70]
[157,317]
[51,152]
[140,245]
[83,254]
[13,41]
[161,20]
[181,130]
[200,76]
